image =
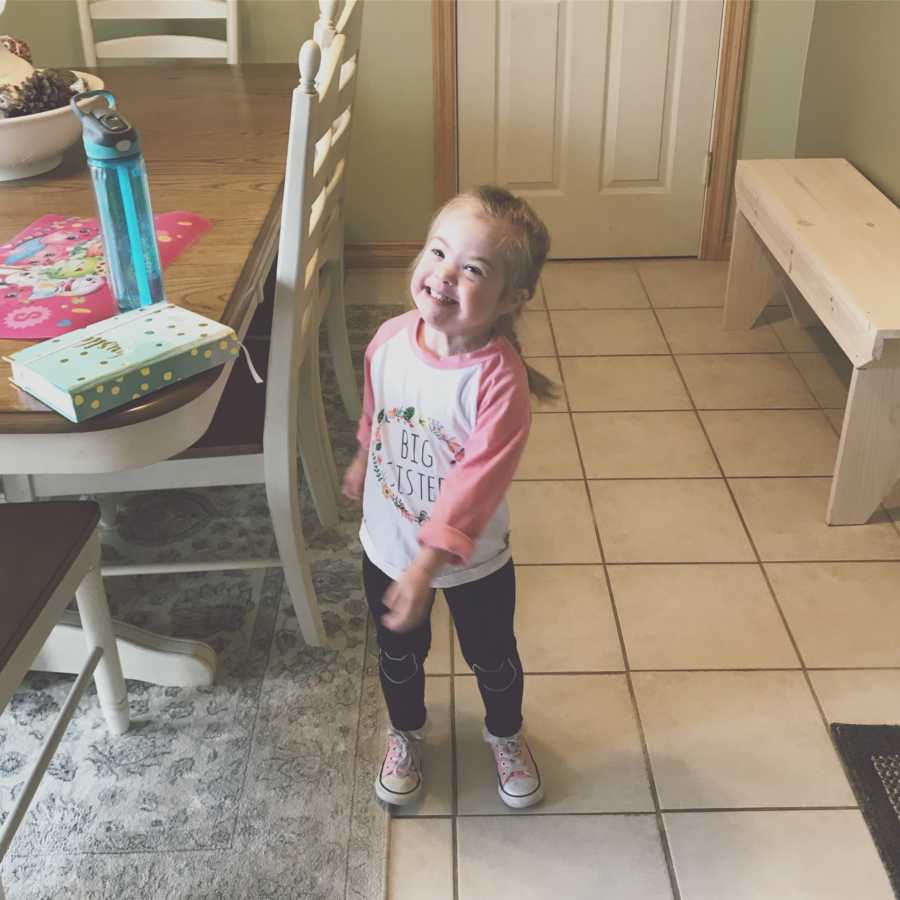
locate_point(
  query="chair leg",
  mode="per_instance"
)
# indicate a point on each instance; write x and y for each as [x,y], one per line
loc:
[282,492]
[327,449]
[339,341]
[95,621]
[315,446]
[109,508]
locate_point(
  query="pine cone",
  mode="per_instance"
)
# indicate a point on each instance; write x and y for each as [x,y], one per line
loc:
[16,45]
[43,91]
[63,76]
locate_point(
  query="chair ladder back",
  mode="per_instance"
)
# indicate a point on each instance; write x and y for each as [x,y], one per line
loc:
[350,26]
[291,281]
[326,25]
[158,46]
[307,203]
[328,164]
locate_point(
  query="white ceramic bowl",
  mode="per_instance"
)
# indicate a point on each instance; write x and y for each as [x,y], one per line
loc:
[30,145]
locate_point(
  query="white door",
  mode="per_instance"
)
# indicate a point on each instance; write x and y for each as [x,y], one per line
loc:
[598,112]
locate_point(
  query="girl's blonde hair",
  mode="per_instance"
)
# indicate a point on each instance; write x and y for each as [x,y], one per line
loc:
[523,247]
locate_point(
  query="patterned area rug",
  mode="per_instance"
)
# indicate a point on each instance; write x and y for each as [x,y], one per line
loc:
[257,787]
[871,757]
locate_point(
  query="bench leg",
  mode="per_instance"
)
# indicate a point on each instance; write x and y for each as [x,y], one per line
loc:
[97,626]
[754,277]
[868,460]
[801,311]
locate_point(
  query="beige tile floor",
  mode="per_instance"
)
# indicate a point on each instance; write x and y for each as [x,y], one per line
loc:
[688,623]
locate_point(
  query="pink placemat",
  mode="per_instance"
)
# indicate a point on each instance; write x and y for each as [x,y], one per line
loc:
[53,274]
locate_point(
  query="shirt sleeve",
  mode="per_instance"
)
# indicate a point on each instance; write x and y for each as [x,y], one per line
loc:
[387,330]
[473,490]
[364,429]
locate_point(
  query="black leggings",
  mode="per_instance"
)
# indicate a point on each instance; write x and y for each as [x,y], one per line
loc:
[483,614]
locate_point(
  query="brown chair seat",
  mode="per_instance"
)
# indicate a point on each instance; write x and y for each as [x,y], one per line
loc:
[237,426]
[39,542]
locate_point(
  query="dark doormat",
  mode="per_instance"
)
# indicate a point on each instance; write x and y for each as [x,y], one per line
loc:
[871,757]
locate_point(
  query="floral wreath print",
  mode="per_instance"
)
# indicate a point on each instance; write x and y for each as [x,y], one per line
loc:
[407,416]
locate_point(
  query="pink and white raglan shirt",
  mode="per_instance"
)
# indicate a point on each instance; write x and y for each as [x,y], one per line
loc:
[444,437]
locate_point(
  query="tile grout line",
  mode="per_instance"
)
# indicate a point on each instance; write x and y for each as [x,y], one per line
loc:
[759,561]
[765,574]
[726,562]
[539,478]
[694,670]
[645,750]
[683,408]
[454,767]
[646,813]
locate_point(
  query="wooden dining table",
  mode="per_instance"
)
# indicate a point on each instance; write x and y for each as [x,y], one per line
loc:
[214,138]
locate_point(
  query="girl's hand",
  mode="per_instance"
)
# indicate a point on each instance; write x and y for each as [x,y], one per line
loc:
[408,600]
[355,477]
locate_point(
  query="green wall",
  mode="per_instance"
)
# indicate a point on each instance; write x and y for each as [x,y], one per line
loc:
[773,78]
[391,173]
[390,189]
[851,94]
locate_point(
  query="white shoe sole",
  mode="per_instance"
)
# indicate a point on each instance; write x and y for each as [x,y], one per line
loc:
[394,799]
[521,802]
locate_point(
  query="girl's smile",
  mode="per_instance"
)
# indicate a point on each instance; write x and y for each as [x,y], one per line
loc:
[458,283]
[440,299]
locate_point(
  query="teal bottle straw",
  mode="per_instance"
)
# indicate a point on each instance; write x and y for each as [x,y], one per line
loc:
[119,176]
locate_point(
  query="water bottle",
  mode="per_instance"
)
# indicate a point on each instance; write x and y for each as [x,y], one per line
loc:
[123,201]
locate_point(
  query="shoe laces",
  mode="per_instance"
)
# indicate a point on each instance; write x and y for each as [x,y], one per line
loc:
[511,757]
[400,756]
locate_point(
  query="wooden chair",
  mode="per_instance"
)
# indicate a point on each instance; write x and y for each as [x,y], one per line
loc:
[50,551]
[331,257]
[259,430]
[158,46]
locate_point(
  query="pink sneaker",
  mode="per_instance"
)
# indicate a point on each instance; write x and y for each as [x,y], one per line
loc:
[518,777]
[400,779]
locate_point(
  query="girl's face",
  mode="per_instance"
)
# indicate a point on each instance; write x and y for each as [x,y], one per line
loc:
[458,284]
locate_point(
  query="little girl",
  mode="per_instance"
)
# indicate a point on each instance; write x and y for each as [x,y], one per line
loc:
[446,414]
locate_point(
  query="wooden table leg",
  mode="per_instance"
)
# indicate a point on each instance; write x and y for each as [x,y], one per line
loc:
[754,277]
[868,460]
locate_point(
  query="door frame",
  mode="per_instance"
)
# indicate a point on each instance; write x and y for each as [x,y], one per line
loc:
[715,235]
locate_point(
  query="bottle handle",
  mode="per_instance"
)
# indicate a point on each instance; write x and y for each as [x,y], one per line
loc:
[86,95]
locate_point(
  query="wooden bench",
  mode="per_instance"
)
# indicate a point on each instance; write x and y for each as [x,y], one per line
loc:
[817,229]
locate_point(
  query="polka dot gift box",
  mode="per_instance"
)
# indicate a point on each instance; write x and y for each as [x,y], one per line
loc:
[94,369]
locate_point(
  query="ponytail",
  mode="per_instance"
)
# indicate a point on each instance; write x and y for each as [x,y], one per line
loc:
[538,383]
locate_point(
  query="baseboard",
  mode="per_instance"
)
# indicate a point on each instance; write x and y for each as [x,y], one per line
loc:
[381,254]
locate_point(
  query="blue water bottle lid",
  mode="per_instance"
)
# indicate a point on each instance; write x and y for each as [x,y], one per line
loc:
[106,133]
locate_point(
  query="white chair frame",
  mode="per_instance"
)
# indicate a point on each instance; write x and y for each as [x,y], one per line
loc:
[101,661]
[158,46]
[327,28]
[310,257]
